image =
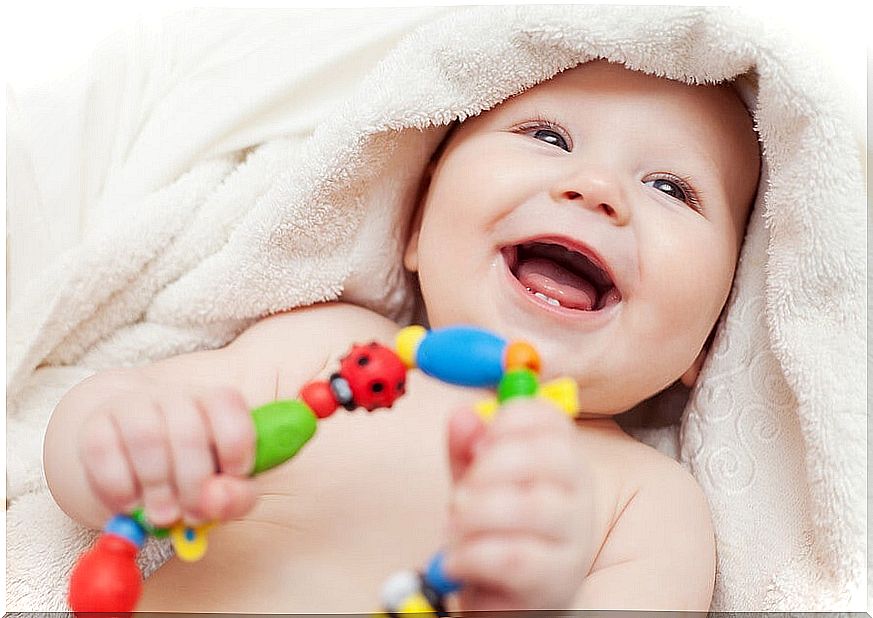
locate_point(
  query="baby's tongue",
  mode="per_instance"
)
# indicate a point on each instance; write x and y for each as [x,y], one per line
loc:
[555,281]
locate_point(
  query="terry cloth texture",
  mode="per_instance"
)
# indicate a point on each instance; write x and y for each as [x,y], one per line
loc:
[222,178]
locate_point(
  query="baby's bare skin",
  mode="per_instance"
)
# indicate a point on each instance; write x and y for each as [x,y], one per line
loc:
[369,495]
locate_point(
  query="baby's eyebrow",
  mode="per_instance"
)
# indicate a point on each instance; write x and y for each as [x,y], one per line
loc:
[701,164]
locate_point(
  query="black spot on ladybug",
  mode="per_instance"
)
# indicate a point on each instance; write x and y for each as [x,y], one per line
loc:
[377,387]
[363,360]
[373,344]
[401,385]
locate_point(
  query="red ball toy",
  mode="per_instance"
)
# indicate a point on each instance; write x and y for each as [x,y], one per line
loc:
[106,579]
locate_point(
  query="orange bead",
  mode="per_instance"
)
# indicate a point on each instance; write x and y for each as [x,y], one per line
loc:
[521,355]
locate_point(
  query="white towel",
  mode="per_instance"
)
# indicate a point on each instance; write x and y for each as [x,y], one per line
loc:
[190,240]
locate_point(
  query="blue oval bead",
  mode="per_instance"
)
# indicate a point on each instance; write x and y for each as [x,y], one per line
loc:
[462,355]
[127,528]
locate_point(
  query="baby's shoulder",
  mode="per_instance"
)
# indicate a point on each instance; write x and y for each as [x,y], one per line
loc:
[663,513]
[647,475]
[294,347]
[321,325]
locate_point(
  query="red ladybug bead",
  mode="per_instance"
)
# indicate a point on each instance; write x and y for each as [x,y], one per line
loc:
[376,375]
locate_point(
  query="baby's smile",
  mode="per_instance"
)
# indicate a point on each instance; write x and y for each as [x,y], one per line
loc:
[562,273]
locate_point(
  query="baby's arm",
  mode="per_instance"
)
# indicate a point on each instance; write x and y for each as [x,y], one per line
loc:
[660,552]
[146,415]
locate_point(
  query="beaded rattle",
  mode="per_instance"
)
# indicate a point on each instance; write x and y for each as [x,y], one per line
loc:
[371,376]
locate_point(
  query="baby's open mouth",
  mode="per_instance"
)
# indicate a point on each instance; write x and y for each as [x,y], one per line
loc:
[560,276]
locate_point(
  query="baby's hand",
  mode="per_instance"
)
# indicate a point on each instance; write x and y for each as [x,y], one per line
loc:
[519,517]
[180,453]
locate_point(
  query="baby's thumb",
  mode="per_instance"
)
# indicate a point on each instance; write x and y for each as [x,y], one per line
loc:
[466,430]
[226,497]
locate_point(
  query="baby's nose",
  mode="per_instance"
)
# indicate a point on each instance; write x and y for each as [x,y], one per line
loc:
[595,190]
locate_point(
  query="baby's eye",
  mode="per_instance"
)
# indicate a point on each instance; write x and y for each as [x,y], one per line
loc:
[669,187]
[552,137]
[678,188]
[545,131]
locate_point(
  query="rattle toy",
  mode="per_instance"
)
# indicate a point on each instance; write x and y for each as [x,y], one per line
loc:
[371,376]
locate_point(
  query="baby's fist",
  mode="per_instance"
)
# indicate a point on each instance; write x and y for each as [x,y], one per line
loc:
[518,521]
[179,453]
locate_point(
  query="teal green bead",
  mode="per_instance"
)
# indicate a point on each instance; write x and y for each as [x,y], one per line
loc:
[517,383]
[282,428]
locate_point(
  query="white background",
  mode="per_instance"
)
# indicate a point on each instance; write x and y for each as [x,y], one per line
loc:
[40,39]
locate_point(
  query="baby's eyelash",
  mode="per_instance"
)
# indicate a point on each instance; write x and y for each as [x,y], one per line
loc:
[541,121]
[687,184]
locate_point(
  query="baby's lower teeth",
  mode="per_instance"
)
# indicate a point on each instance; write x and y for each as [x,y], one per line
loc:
[551,301]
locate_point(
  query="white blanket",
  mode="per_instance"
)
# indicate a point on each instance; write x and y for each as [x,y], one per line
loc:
[227,165]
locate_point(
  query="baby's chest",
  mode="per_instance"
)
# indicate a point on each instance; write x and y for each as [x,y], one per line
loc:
[369,472]
[366,496]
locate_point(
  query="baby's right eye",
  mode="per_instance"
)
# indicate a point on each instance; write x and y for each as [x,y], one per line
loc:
[546,131]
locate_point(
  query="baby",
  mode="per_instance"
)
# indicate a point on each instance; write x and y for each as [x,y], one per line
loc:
[598,216]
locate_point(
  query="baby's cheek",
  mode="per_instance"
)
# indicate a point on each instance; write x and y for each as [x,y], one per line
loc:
[692,285]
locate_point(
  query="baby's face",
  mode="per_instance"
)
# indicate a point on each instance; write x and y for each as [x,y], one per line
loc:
[650,179]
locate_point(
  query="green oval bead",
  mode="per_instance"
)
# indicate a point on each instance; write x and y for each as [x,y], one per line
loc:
[517,383]
[282,428]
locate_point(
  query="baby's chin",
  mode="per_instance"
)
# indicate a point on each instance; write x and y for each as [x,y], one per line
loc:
[602,372]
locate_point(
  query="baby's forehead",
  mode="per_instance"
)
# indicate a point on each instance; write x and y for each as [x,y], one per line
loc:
[604,94]
[600,81]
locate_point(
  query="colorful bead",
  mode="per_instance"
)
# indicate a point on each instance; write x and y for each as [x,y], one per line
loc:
[189,541]
[127,528]
[517,383]
[375,376]
[400,586]
[522,355]
[406,343]
[106,579]
[435,576]
[341,390]
[564,393]
[486,409]
[282,428]
[417,604]
[465,355]
[139,517]
[319,397]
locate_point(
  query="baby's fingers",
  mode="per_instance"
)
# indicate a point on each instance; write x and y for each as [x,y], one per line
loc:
[191,453]
[106,465]
[503,572]
[539,458]
[225,497]
[233,431]
[145,438]
[540,509]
